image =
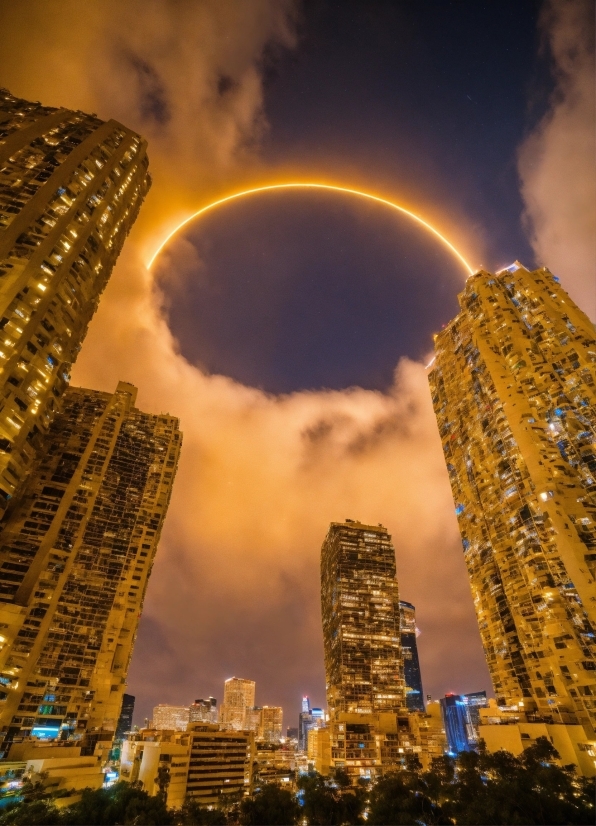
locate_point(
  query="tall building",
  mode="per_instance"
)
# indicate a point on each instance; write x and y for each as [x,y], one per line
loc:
[126,714]
[514,392]
[204,711]
[271,726]
[409,647]
[461,719]
[361,623]
[308,719]
[76,553]
[70,189]
[239,696]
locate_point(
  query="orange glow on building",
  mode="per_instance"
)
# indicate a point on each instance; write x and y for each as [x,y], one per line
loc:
[296,185]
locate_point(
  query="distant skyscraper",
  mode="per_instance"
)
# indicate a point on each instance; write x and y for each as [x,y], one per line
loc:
[455,720]
[409,647]
[361,625]
[307,720]
[239,695]
[514,392]
[204,711]
[174,718]
[76,553]
[461,719]
[70,189]
[271,726]
[126,715]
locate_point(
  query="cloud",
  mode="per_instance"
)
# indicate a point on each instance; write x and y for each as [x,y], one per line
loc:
[557,162]
[235,588]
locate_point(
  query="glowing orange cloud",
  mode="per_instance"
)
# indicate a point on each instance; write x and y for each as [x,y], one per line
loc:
[343,189]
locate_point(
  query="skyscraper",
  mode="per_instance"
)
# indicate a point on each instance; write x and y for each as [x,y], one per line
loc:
[239,696]
[126,714]
[460,714]
[409,647]
[76,553]
[70,189]
[271,726]
[514,392]
[361,625]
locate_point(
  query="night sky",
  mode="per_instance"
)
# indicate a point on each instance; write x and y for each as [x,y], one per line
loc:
[426,100]
[290,331]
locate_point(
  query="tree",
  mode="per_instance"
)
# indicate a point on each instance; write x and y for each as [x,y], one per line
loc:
[271,805]
[31,813]
[193,814]
[402,798]
[327,802]
[501,788]
[122,804]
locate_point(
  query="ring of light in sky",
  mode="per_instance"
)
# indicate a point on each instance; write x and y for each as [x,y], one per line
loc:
[331,187]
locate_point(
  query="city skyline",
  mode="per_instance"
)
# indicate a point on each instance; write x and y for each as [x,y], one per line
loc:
[273,455]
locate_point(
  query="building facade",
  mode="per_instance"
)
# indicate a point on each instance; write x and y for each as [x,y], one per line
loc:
[70,189]
[409,647]
[361,620]
[271,724]
[239,696]
[170,718]
[76,552]
[514,393]
[126,714]
[221,764]
[204,711]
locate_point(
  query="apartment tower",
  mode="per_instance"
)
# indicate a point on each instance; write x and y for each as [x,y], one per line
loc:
[70,189]
[514,393]
[361,622]
[76,553]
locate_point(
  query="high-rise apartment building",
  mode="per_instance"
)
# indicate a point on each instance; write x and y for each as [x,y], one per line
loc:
[409,647]
[76,552]
[204,711]
[126,714]
[70,189]
[514,392]
[239,696]
[361,622]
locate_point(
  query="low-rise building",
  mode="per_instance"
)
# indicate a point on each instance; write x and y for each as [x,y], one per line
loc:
[512,729]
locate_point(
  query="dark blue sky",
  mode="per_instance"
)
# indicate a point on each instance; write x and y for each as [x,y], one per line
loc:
[427,99]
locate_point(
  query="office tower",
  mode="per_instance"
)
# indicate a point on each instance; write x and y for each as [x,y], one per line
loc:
[239,695]
[75,558]
[220,765]
[513,388]
[271,725]
[253,719]
[409,647]
[307,720]
[70,189]
[170,718]
[126,714]
[456,720]
[361,627]
[204,711]
[461,718]
[474,702]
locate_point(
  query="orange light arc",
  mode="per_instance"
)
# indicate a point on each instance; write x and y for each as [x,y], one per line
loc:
[330,187]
